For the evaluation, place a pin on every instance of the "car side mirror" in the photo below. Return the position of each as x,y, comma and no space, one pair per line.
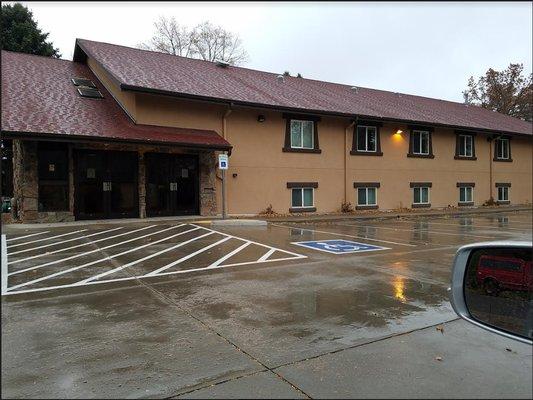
492,287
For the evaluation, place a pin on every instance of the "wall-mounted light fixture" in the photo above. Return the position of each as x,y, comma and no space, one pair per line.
234,175
397,135
260,118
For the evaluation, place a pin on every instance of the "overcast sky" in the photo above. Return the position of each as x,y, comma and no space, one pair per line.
429,49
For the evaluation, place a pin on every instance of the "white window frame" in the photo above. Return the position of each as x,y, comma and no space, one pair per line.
366,192
429,194
463,140
461,188
302,121
301,189
503,190
419,151
499,149
367,127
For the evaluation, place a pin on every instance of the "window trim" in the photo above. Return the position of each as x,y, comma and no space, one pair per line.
301,133
505,185
367,124
470,185
429,130
458,155
301,186
427,185
496,156
301,117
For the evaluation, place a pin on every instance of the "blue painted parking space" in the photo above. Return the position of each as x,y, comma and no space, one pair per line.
339,246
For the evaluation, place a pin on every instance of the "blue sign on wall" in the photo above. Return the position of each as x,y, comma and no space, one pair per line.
340,246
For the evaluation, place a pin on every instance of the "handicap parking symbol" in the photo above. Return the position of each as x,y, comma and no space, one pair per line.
340,246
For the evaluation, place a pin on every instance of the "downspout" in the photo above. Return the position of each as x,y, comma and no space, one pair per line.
224,189
491,198
346,151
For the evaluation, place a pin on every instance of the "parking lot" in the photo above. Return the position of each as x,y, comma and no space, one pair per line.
332,309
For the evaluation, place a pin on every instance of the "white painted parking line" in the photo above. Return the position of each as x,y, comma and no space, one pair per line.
3,263
185,258
465,226
163,271
65,241
94,262
230,254
345,235
47,238
423,230
81,245
26,236
266,255
93,278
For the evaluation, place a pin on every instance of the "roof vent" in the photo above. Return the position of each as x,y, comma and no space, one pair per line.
280,78
354,89
221,64
86,91
83,82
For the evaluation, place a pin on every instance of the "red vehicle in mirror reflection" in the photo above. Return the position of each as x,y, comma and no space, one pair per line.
497,273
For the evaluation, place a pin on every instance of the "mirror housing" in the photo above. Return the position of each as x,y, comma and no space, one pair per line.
475,260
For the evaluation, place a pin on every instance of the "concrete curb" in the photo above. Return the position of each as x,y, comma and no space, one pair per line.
394,215
239,222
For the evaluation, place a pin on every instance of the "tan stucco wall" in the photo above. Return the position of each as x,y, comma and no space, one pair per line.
263,170
125,99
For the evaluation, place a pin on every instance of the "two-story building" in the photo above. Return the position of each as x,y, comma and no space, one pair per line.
124,132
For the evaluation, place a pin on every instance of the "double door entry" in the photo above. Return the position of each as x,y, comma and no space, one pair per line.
172,184
106,184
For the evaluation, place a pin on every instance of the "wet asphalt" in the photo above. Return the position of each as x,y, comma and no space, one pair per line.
83,317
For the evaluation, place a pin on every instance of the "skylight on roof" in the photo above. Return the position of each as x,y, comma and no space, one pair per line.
83,82
90,92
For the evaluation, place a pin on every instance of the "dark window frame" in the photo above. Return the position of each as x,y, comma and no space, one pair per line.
471,185
366,185
302,185
458,155
370,124
505,185
301,117
417,128
496,157
427,185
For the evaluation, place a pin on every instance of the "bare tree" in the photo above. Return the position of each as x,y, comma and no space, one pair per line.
206,41
172,38
215,43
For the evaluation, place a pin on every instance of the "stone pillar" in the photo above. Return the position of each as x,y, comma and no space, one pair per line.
71,187
142,185
208,199
25,181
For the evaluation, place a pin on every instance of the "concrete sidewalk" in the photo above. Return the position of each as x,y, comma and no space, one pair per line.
395,214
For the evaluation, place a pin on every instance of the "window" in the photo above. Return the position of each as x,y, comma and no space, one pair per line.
420,142
302,133
466,146
53,177
302,197
503,193
466,194
421,195
366,196
367,138
502,149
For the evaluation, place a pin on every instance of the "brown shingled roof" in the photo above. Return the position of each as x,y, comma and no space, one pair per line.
38,97
136,69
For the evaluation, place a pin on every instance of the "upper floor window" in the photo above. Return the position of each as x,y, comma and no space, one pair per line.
420,143
301,134
465,146
502,149
366,139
